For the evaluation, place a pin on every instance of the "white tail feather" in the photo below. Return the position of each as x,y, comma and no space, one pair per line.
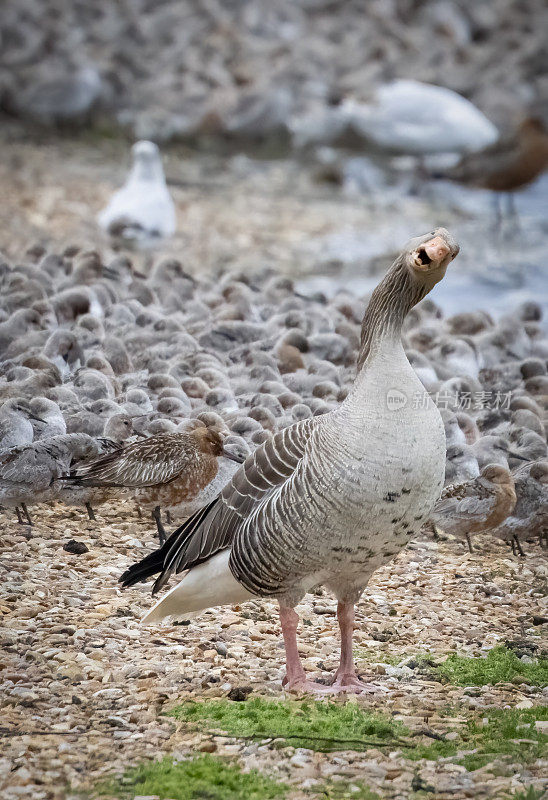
209,584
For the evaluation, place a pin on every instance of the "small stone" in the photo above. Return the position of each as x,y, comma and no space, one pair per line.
207,747
76,548
24,696
146,797
239,693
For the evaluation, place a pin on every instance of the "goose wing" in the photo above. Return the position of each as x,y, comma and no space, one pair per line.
213,528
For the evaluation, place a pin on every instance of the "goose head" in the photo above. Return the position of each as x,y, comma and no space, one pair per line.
427,257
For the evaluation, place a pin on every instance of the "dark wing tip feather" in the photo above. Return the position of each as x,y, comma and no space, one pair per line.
160,560
143,569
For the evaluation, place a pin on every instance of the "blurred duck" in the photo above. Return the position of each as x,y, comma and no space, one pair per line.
508,165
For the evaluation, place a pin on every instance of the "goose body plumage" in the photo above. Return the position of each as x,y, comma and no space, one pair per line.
331,498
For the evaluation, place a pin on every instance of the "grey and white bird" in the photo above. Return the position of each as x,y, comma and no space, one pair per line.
16,428
393,122
117,430
142,212
329,499
495,450
28,473
461,464
48,418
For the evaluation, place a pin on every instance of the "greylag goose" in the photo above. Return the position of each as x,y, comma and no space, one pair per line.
329,499
169,470
476,506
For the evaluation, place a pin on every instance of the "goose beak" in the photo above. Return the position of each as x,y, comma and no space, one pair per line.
435,250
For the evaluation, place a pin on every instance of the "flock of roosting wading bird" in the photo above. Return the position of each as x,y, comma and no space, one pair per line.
232,405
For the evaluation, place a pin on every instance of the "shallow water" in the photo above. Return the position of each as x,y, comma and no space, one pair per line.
497,268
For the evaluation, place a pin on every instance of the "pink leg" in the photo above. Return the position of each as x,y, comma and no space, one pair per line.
346,679
295,678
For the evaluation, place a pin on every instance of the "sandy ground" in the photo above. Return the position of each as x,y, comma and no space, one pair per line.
84,685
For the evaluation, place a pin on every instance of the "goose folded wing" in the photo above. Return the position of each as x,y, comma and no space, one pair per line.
212,529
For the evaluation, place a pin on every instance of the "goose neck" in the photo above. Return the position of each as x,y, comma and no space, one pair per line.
390,303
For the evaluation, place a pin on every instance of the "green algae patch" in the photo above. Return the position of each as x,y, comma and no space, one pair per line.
500,734
500,664
202,777
529,794
316,725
